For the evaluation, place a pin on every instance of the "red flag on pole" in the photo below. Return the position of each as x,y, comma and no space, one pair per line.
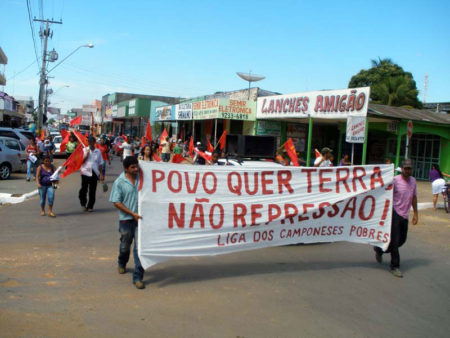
43,135
81,138
290,148
143,143
74,162
177,158
191,147
148,131
318,154
65,135
204,155
222,140
76,121
209,147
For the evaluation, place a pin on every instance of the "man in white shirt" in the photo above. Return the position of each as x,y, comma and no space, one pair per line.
90,171
127,148
324,160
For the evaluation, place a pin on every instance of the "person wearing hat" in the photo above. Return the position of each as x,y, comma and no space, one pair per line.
404,196
324,160
90,171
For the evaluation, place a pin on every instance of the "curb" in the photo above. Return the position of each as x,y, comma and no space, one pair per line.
9,199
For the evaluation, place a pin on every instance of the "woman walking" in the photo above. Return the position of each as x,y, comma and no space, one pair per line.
146,153
32,152
437,182
46,190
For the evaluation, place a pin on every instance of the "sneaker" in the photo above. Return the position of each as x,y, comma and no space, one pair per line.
83,208
28,180
90,210
396,272
121,269
378,255
139,285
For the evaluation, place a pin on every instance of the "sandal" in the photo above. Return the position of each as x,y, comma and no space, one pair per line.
42,213
51,214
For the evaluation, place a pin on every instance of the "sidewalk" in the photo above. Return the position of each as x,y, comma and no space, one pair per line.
16,189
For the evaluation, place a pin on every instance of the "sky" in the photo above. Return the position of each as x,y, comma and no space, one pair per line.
193,48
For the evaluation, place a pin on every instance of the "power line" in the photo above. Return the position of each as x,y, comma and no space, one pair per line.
32,33
22,70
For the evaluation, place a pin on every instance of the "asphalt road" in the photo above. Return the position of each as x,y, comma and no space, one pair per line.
58,277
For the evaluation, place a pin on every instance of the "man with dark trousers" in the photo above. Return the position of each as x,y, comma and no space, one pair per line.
405,196
90,171
124,195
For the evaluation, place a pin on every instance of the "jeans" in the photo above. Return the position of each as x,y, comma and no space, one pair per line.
399,232
88,183
31,167
46,191
128,231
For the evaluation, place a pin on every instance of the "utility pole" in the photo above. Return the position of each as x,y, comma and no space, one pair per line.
43,79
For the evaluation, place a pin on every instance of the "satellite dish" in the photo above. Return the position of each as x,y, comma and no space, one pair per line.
250,78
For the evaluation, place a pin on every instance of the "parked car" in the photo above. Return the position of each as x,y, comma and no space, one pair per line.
248,163
12,157
24,136
57,142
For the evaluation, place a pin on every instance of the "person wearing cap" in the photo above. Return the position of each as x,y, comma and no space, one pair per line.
324,160
404,196
90,171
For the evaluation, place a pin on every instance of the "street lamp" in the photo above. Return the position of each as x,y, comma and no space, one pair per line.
89,45
43,81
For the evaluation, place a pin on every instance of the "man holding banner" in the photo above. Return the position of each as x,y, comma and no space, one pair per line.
124,195
405,195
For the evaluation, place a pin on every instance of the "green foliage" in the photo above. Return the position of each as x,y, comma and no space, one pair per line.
389,83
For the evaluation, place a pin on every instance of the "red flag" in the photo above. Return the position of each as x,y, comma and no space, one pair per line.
75,121
148,131
177,158
43,135
209,147
290,148
143,142
318,154
74,162
207,157
223,140
162,139
191,147
81,138
156,158
65,135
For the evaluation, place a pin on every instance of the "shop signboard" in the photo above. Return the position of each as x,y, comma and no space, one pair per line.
327,104
164,113
121,111
183,111
224,108
271,128
356,129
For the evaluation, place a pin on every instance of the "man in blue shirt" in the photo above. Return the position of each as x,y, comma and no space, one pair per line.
124,195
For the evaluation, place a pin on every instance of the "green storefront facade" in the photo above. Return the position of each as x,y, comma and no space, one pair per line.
385,137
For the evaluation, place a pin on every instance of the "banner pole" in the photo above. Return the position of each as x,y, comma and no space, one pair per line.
308,153
215,131
364,154
353,151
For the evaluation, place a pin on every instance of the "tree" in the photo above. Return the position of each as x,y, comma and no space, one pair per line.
389,83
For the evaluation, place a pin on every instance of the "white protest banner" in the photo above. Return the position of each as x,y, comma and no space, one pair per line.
356,129
325,104
210,210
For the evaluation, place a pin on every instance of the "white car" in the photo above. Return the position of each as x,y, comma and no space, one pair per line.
12,157
57,142
248,163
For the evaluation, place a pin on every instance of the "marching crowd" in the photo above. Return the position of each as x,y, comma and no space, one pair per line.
96,152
